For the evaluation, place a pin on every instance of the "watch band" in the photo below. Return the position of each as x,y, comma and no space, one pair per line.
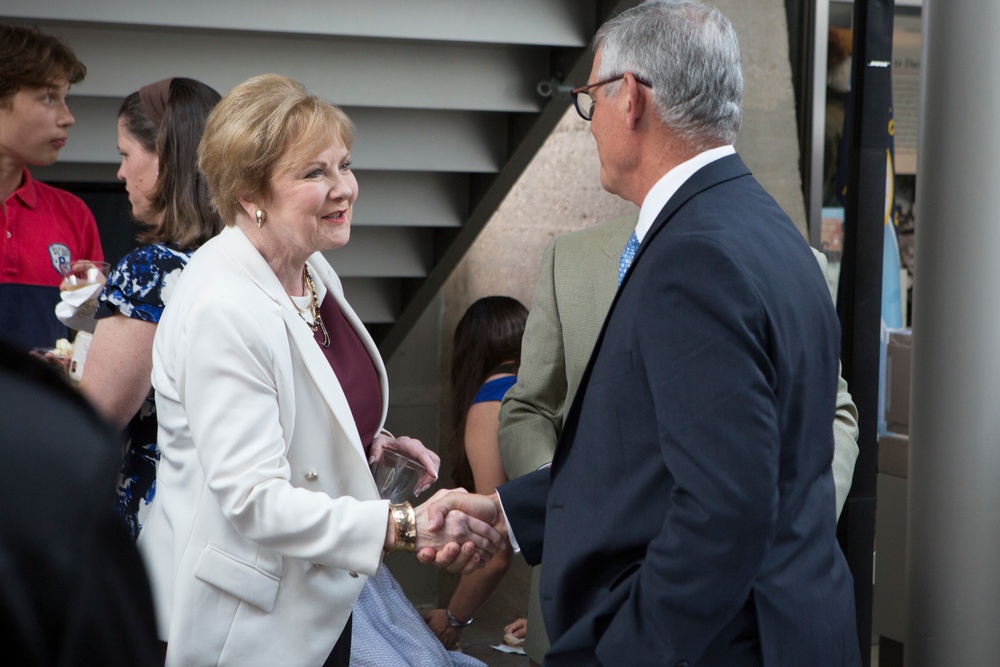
455,623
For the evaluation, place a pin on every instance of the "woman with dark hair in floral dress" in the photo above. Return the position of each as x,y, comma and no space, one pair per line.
159,128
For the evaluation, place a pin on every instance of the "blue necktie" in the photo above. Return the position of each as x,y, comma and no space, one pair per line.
628,254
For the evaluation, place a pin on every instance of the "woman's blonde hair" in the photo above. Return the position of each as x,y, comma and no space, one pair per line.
264,123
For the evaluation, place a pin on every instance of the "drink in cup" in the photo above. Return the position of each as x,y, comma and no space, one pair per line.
82,273
396,476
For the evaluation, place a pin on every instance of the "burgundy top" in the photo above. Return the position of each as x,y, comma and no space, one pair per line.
354,368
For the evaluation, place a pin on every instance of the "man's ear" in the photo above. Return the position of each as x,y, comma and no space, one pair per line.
635,101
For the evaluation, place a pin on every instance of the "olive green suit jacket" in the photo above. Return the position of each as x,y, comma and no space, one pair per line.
578,280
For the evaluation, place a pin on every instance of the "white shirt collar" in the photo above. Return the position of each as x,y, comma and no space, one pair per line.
664,189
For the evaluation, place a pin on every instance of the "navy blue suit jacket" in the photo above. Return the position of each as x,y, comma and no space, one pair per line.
689,514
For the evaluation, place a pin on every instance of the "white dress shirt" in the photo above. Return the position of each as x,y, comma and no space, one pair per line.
671,182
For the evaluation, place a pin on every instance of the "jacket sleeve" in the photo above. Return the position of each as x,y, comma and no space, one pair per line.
845,424
524,500
845,442
532,411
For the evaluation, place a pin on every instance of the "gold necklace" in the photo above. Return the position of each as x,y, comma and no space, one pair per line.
297,308
317,319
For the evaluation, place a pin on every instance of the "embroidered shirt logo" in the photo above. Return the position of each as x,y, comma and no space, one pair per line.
59,254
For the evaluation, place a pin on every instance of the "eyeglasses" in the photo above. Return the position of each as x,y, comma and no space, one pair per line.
583,101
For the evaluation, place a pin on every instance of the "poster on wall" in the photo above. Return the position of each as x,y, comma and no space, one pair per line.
906,44
906,90
901,192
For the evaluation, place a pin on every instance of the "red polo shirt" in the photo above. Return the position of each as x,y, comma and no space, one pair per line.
41,228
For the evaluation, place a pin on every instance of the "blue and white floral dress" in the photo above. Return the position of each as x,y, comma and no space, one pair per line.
139,287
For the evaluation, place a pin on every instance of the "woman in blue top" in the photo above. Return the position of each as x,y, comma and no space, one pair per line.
486,356
159,128
387,630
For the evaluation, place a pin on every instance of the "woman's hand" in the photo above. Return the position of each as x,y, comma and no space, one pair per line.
518,628
52,359
412,448
437,620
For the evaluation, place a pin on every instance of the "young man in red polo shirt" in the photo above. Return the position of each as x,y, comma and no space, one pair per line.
41,227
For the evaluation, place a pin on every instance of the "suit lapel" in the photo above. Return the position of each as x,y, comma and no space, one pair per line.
300,335
720,171
325,274
712,174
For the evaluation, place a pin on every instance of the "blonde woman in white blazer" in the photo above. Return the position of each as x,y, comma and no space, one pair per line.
271,398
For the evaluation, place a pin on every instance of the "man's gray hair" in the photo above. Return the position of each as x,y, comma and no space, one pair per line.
689,53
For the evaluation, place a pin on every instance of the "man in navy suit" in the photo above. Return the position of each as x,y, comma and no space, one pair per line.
687,518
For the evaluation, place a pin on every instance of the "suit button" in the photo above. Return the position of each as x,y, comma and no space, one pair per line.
353,574
311,476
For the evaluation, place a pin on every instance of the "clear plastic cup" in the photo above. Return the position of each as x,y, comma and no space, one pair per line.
396,476
83,272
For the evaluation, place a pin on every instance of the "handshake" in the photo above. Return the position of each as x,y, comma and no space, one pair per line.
455,530
460,531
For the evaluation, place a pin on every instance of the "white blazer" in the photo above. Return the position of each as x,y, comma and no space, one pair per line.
266,520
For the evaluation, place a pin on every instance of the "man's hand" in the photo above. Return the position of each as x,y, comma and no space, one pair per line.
437,620
412,448
459,531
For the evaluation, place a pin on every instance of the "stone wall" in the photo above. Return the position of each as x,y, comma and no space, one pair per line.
561,190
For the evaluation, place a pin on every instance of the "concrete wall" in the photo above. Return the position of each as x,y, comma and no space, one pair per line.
561,192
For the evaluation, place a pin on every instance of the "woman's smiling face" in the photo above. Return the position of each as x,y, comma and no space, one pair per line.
312,201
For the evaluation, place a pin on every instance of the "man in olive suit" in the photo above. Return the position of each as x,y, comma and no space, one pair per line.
577,282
